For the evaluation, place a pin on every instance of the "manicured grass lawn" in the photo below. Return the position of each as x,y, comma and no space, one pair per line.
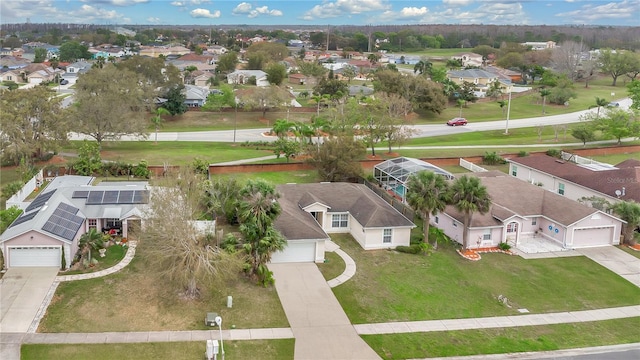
202,120
134,300
254,349
506,340
630,251
391,286
176,153
113,255
332,267
277,177
615,158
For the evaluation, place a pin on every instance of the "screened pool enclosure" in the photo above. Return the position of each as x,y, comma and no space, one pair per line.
393,174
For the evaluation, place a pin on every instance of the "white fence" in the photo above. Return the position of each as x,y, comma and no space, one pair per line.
471,166
18,198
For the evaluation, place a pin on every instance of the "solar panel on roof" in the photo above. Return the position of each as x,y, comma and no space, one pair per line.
63,222
95,197
141,197
110,197
125,197
38,202
80,194
24,218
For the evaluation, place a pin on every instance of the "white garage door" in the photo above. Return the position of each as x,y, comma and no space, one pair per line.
41,256
592,237
296,252
35,81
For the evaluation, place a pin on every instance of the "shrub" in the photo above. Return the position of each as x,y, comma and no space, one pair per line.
554,152
504,246
200,166
492,158
523,154
142,170
11,188
412,249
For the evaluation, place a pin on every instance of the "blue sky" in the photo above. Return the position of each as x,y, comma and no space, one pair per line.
323,12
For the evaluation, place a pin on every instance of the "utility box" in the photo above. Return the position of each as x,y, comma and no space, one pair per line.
210,319
229,302
212,349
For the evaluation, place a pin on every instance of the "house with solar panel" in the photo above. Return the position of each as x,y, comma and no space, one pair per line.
51,225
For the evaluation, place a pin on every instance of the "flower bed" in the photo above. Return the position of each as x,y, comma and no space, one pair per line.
474,254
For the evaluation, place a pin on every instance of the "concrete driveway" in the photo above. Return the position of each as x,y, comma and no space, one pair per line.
616,260
320,326
21,294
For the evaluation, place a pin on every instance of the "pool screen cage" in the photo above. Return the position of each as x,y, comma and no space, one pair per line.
393,174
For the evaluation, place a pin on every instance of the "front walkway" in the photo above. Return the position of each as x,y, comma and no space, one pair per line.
321,328
349,264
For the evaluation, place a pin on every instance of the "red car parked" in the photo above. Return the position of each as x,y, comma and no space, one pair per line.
457,122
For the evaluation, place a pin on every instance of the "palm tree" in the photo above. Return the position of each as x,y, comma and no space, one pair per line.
600,102
544,93
281,127
258,209
427,194
628,211
156,119
320,127
503,105
423,67
91,240
468,195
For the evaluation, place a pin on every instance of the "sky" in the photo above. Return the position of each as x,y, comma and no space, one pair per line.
323,12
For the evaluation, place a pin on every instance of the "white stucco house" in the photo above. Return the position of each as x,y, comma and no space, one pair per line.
68,207
241,77
312,211
521,211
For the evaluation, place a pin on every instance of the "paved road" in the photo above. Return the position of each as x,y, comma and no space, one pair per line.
243,135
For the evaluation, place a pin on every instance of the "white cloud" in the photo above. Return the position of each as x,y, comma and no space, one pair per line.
178,3
457,2
244,8
153,20
115,2
337,8
614,10
414,11
204,13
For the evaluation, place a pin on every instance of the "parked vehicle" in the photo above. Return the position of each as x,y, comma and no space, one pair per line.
457,122
64,82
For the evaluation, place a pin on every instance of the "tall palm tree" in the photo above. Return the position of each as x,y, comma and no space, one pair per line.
281,127
422,67
600,102
544,93
503,105
628,211
468,195
156,119
427,194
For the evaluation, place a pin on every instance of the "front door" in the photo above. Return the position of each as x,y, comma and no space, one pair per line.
512,233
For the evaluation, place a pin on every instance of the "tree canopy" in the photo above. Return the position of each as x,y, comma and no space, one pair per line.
71,51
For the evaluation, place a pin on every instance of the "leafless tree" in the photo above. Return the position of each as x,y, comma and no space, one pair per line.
566,58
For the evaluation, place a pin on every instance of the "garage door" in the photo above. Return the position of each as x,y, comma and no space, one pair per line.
592,237
296,252
41,256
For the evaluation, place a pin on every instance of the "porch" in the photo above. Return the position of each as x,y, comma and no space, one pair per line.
534,244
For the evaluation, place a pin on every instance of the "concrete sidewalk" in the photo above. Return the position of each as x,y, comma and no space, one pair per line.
321,328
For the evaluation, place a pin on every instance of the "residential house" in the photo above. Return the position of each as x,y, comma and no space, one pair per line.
481,78
166,51
242,77
540,214
505,74
39,73
469,59
539,45
298,79
312,211
13,62
217,50
202,78
68,207
577,178
76,69
195,96
11,75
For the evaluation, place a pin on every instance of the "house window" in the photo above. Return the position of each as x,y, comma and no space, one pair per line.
534,222
436,220
512,227
386,236
514,170
340,220
114,223
455,224
93,224
487,235
561,188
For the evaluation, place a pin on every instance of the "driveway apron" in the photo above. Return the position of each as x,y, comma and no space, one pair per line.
21,294
616,260
321,328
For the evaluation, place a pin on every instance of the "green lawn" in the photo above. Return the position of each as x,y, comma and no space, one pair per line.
254,349
277,177
134,300
630,251
506,340
333,265
406,287
204,120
